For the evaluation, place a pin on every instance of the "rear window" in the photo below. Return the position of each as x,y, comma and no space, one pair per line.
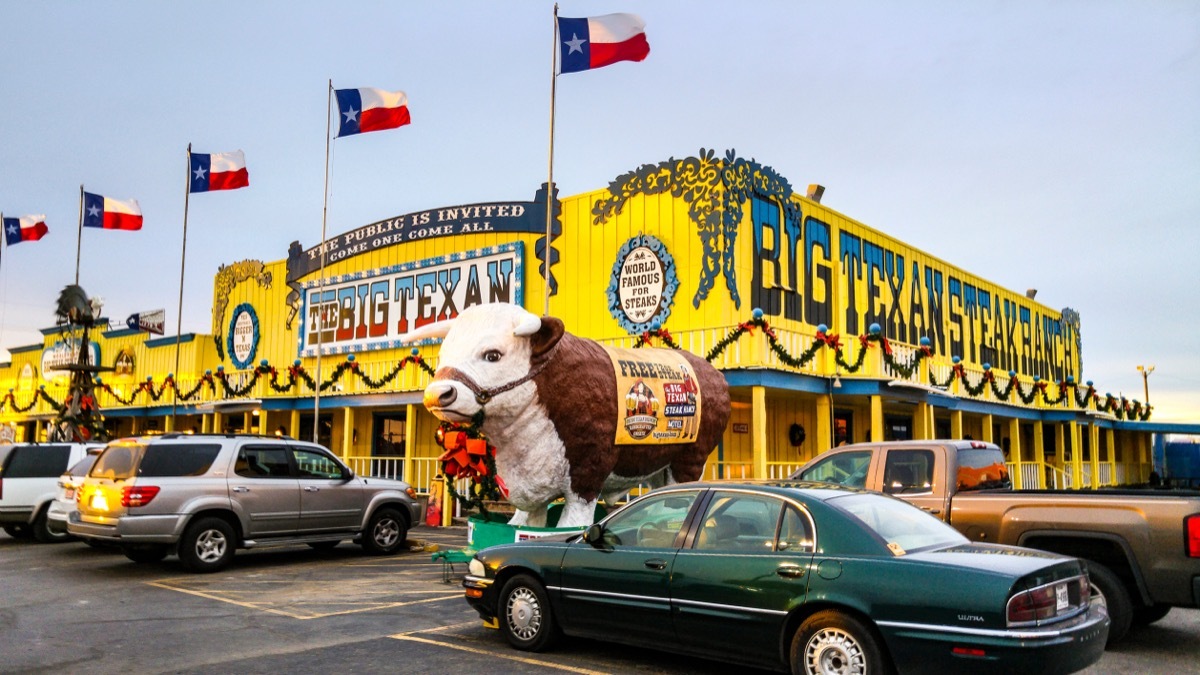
37,461
120,462
178,460
982,469
84,465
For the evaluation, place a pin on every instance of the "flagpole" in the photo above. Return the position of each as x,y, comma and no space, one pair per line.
550,178
79,238
187,193
321,283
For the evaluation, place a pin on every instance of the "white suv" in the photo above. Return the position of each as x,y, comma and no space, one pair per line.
203,496
29,475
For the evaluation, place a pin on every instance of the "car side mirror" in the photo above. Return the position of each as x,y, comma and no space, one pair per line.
594,535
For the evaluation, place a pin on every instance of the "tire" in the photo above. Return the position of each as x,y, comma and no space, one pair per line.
145,554
385,533
834,643
1113,595
42,532
18,531
323,545
207,545
526,619
1144,616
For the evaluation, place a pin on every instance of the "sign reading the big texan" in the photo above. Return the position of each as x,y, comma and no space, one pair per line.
359,312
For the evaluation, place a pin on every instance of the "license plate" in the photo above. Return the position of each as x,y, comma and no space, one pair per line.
70,493
1060,596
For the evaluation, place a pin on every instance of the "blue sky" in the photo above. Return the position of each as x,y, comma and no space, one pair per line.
1046,145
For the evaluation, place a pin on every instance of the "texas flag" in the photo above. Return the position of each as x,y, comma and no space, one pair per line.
25,228
366,109
111,214
219,171
598,41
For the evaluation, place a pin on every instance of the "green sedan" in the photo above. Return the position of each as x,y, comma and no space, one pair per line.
802,576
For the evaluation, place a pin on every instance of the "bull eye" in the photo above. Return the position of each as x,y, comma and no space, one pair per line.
492,355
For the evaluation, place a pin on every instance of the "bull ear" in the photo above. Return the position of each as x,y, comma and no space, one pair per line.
437,329
548,335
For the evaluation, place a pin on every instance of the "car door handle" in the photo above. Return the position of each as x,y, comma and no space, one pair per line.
241,488
790,571
930,511
311,488
656,564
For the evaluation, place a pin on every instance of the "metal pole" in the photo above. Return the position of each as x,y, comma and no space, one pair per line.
321,283
79,238
550,178
187,192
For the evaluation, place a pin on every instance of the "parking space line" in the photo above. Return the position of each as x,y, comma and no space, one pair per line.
258,606
484,652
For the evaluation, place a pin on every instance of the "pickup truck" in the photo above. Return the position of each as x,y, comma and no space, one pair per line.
1142,547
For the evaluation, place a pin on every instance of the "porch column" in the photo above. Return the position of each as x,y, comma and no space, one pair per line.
294,424
1039,453
876,419
824,430
956,423
347,432
986,436
1014,450
1094,444
758,430
410,447
206,424
1076,455
168,423
1111,441
918,422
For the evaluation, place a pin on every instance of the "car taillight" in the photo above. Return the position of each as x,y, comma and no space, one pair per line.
137,495
1191,525
1031,606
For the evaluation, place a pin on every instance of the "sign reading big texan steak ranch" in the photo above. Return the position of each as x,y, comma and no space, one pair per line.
660,402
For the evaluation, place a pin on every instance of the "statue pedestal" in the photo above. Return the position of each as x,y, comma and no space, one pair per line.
483,532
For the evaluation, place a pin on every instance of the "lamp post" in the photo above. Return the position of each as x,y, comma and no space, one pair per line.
1145,371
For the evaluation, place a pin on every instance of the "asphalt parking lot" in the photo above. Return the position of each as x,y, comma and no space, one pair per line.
71,607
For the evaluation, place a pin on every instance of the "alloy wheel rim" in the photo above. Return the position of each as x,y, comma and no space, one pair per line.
834,651
210,546
386,532
524,614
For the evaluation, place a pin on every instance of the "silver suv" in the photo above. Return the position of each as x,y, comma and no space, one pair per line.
203,496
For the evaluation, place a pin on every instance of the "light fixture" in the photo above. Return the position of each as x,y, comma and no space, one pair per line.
815,192
1031,293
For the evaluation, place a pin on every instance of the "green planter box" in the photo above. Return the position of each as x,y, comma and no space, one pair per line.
483,532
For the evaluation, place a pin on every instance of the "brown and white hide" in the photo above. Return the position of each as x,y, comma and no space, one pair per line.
551,410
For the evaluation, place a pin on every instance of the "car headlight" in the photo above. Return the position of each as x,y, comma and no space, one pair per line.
476,567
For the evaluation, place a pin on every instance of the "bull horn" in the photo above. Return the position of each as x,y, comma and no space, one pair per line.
527,324
437,329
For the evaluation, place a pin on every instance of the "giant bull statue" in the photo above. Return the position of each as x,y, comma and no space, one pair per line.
552,409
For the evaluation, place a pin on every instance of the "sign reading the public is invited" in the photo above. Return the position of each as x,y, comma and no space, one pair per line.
360,312
660,400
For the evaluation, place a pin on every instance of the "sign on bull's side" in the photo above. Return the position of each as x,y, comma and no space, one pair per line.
360,312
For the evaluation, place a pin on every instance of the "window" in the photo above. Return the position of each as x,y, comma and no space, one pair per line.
315,464
908,472
652,522
262,462
37,461
739,522
982,469
167,459
847,468
903,528
795,533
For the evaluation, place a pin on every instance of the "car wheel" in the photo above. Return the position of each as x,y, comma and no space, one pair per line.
1144,616
1108,590
323,545
834,643
525,616
145,554
207,545
386,531
42,532
18,531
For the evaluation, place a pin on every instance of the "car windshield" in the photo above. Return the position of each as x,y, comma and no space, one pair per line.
903,527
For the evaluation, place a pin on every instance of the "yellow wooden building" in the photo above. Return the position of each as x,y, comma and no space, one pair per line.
827,330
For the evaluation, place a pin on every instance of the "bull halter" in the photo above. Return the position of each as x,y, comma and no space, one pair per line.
483,396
